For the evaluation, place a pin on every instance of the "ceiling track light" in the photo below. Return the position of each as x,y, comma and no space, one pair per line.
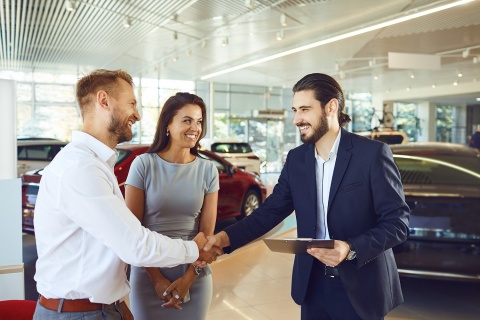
466,53
175,59
127,22
455,83
459,74
280,35
343,36
224,42
70,5
412,76
283,20
250,4
434,86
475,60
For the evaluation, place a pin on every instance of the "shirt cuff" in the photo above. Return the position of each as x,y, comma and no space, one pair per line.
192,253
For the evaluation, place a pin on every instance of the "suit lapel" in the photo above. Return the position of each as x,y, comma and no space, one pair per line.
311,175
341,164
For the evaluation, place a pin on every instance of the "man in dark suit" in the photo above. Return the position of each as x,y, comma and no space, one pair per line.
343,187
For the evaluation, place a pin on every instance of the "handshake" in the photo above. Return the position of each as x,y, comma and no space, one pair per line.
210,247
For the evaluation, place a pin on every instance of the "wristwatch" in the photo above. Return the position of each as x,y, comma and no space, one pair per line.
352,254
196,269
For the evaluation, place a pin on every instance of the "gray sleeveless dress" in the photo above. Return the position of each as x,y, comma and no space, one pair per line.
174,196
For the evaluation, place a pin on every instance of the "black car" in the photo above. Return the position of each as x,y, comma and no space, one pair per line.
441,182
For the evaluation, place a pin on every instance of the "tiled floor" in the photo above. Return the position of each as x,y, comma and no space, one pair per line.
253,283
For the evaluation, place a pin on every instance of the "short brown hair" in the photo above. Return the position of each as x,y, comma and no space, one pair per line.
96,80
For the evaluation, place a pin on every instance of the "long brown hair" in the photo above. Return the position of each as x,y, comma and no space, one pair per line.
169,110
325,89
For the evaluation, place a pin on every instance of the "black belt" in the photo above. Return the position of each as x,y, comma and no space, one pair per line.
331,272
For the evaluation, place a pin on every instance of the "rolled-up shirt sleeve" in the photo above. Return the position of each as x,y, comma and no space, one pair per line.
88,198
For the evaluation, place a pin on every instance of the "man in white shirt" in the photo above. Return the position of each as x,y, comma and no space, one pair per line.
85,234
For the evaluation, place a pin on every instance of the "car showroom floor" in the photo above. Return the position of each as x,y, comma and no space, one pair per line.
253,283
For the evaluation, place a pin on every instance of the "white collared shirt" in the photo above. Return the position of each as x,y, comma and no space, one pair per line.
85,233
324,174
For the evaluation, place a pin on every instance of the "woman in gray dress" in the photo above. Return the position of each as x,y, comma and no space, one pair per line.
173,191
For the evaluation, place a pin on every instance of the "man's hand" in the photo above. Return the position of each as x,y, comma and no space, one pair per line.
204,245
331,257
211,255
221,240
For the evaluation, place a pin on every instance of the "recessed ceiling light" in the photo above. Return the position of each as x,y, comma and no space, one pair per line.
478,99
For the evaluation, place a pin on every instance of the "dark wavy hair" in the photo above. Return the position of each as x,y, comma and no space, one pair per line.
325,89
169,110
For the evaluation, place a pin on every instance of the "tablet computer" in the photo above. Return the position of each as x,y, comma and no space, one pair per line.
296,245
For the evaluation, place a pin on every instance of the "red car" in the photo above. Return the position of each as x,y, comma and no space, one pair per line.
240,193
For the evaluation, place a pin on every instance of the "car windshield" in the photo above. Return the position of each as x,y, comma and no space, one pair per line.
425,171
122,154
231,147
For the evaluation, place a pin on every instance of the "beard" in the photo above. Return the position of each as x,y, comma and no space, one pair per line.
318,131
118,130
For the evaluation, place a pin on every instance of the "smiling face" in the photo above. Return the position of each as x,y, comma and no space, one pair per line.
186,126
124,112
310,117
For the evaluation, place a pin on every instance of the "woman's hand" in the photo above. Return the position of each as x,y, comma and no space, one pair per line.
177,291
161,286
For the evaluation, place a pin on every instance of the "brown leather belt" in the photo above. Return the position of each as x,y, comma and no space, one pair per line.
78,305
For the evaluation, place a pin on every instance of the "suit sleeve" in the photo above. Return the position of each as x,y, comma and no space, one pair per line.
274,210
391,210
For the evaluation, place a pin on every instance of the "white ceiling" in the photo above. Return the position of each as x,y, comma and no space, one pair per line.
41,35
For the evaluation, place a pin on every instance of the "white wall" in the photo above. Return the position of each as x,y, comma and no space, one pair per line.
11,265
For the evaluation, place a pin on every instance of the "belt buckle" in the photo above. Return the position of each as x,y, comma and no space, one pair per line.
328,275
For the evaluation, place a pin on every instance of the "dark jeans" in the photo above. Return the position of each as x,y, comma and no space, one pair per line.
109,313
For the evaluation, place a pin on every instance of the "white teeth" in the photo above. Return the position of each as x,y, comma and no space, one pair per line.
304,127
191,136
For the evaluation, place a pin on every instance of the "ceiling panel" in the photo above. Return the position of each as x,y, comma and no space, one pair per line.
41,35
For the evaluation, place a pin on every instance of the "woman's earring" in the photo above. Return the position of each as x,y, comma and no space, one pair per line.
168,133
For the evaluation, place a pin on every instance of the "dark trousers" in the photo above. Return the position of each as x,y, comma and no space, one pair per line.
326,298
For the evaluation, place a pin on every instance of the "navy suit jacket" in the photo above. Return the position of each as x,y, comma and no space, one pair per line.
366,206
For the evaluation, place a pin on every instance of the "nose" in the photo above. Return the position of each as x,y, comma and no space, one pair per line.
137,115
195,126
296,118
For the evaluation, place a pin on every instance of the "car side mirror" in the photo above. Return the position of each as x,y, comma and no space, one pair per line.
231,171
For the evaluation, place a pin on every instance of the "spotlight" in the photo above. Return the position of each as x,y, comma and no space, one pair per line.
175,59
465,53
459,74
412,76
434,86
250,4
408,88
70,5
375,77
224,42
280,35
283,20
455,83
475,60
127,22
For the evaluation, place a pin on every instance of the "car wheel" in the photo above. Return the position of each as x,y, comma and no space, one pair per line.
251,201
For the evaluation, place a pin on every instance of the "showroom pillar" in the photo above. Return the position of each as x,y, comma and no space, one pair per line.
11,265
427,117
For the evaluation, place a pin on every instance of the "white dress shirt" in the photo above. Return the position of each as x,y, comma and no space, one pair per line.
85,233
324,175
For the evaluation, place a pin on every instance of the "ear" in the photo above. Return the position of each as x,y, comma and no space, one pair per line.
102,100
332,107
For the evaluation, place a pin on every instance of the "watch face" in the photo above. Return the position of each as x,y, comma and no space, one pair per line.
351,255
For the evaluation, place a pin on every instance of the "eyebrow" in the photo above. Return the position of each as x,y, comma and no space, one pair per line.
300,107
188,117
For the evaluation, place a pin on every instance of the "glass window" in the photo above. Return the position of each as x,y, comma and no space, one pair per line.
54,93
